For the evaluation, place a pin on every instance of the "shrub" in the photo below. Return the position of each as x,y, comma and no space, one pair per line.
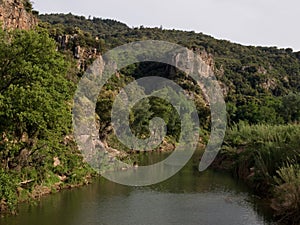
28,5
286,199
8,193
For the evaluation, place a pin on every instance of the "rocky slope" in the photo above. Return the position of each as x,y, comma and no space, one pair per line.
16,14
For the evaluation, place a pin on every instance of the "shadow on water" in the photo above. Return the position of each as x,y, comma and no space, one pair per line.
189,198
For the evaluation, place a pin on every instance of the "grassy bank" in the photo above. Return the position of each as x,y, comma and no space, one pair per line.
52,173
267,157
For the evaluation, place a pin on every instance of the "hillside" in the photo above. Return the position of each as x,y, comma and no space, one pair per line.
261,86
255,79
42,61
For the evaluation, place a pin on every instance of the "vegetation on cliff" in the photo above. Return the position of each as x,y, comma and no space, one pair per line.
36,147
258,82
261,87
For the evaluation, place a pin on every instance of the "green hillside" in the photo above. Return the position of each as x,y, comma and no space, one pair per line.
258,80
40,69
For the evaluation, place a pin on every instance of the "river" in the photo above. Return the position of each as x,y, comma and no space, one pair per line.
188,198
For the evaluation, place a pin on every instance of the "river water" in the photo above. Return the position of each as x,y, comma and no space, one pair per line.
188,198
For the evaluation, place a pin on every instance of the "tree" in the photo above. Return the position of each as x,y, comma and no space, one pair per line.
34,91
28,5
291,107
140,117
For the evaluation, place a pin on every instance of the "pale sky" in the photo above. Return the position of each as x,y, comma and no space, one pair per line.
249,22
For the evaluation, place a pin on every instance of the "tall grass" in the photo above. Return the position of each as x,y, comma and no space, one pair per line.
245,134
286,199
268,147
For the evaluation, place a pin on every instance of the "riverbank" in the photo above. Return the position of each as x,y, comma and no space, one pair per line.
30,183
267,159
189,197
264,157
57,173
25,194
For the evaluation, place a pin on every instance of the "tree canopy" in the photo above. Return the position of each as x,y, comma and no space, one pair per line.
35,116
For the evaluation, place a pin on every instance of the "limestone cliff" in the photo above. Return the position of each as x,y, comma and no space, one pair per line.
83,54
16,14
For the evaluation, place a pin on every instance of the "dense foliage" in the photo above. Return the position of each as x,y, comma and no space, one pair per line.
258,82
35,117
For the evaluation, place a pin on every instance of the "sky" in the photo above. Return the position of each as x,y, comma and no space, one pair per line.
248,22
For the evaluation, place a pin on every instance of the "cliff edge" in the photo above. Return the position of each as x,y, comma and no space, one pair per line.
17,14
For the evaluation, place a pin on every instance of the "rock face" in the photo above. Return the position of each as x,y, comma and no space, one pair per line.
70,42
13,15
205,67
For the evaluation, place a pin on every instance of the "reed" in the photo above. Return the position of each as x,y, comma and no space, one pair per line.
245,134
286,199
268,147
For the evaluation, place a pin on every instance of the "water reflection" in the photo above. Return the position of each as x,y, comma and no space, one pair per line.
189,197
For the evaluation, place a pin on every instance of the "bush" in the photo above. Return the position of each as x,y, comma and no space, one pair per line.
245,134
286,199
8,191
28,5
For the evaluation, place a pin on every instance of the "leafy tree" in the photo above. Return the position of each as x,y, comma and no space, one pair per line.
35,105
140,117
34,91
291,107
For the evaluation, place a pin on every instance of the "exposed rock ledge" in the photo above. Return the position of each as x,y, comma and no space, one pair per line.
13,15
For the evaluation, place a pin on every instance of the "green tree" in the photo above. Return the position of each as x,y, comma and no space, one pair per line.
291,107
140,117
34,92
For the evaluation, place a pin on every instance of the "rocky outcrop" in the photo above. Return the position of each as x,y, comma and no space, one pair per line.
62,41
83,55
14,15
203,65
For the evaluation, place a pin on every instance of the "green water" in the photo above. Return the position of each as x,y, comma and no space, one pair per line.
188,198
